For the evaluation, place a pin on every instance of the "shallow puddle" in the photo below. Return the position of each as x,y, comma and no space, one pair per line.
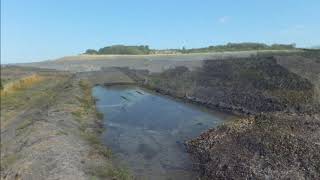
146,131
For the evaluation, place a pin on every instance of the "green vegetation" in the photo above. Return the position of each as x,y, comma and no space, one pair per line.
140,50
91,51
120,173
105,172
32,95
86,104
240,47
121,49
86,108
93,139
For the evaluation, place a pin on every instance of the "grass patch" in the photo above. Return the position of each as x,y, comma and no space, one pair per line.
91,138
77,114
106,172
120,173
87,108
36,95
20,84
86,100
96,143
106,152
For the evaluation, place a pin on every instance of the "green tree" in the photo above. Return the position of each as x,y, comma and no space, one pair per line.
91,51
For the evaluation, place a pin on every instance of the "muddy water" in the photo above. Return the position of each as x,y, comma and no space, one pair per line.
146,131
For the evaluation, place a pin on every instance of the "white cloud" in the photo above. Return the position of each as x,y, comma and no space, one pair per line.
224,19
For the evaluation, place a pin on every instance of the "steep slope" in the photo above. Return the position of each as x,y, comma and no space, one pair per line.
245,85
280,139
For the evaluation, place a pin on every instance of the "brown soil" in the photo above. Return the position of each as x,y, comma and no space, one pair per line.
49,130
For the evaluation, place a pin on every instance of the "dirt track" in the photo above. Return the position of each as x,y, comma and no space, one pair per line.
49,131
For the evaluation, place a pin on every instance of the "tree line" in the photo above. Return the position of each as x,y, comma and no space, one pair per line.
120,49
144,49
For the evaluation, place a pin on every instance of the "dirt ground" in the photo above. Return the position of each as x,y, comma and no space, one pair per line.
49,130
152,63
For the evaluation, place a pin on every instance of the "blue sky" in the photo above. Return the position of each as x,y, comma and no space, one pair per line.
34,30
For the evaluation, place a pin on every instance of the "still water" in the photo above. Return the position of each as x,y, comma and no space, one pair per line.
146,131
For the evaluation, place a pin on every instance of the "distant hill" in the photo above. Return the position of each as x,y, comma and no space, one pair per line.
144,49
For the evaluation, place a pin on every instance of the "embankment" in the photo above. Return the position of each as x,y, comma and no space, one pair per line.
243,86
279,136
50,130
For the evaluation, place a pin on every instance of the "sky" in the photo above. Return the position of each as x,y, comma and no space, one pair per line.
36,30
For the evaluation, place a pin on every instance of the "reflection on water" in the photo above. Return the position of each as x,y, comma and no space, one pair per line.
147,131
